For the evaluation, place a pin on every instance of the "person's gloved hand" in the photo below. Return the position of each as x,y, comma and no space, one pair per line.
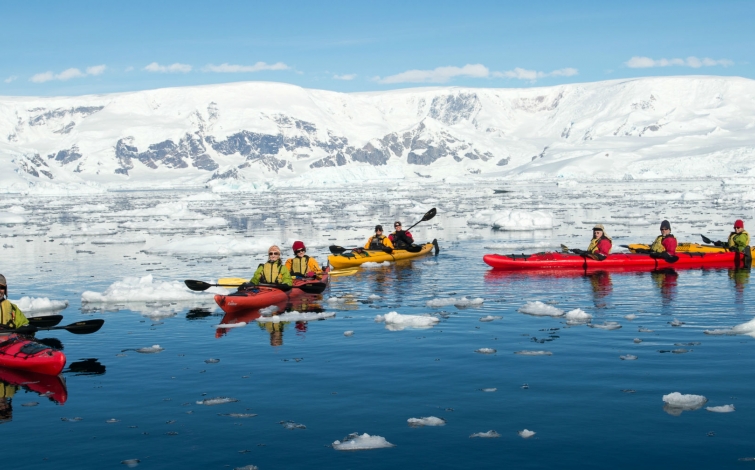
310,274
245,286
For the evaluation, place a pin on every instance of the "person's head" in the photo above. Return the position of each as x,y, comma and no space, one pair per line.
665,227
274,253
397,225
378,229
299,249
598,231
3,286
739,225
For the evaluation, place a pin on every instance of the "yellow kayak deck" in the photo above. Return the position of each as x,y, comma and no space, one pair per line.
685,248
351,258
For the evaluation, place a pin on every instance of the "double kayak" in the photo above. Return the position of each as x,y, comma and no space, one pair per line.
266,295
684,247
355,258
50,386
618,261
19,352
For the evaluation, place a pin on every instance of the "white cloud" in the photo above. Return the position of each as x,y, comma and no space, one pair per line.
233,68
532,75
438,75
637,62
67,74
348,76
172,68
10,79
129,69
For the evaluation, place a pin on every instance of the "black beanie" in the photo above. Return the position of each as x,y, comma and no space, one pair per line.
665,224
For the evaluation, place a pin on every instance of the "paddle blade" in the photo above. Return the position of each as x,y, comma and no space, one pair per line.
430,214
564,248
197,285
336,250
706,239
47,320
82,327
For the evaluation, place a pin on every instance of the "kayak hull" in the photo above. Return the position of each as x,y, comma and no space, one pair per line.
618,261
262,296
18,352
351,259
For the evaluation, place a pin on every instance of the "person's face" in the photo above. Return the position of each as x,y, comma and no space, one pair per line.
738,229
378,232
3,290
273,255
300,252
397,226
597,233
665,231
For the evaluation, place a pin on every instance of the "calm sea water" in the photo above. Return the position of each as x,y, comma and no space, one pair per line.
589,408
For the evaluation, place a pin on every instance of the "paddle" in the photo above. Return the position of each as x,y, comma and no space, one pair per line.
577,251
337,250
47,320
202,286
711,242
83,327
428,215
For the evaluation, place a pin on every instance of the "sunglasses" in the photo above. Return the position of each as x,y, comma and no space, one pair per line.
300,250
274,253
397,225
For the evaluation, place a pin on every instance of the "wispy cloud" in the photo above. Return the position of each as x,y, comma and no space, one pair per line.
444,74
172,68
347,76
692,61
68,74
232,68
533,75
10,79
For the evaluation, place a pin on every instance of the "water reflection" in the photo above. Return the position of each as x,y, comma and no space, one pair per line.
601,287
90,366
666,281
11,380
741,278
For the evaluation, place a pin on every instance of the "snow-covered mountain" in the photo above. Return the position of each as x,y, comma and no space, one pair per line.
244,134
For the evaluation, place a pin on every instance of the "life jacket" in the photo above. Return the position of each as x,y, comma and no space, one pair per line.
271,272
657,246
7,314
593,247
738,239
376,242
300,265
401,241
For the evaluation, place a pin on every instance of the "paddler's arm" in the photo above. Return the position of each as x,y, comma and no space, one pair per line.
257,275
285,276
21,319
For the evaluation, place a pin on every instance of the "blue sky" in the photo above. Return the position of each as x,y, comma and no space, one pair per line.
77,47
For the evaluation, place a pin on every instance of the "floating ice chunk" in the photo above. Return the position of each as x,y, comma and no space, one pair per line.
131,462
297,316
247,467
364,442
676,322
719,332
230,325
577,316
154,349
374,297
214,245
685,402
399,321
144,289
490,434
118,241
490,318
485,351
526,433
513,220
269,310
371,265
489,390
747,328
212,361
637,340
355,208
628,357
644,330
630,317
292,425
9,218
533,353
460,302
113,420
39,304
427,421
609,325
348,333
540,309
721,409
336,300
216,401
238,415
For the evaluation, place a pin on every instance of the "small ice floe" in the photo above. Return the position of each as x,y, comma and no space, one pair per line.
721,409
212,361
238,415
512,220
693,343
642,329
526,433
747,328
485,351
297,316
461,302
396,321
354,441
488,390
292,425
348,333
637,340
609,325
371,265
374,297
113,421
533,353
630,317
676,322
131,462
144,289
39,304
240,324
269,310
31,403
427,421
71,419
676,402
540,309
490,434
628,357
577,316
337,300
247,467
216,401
488,318
154,349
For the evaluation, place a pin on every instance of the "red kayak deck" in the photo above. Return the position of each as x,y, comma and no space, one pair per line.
619,261
18,352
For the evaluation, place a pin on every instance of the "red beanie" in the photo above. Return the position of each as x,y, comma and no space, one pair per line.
298,245
739,224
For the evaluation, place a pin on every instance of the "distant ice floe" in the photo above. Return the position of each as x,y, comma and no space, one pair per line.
489,318
533,353
526,433
374,297
577,316
154,349
144,289
628,357
489,390
721,409
396,321
490,434
291,425
630,317
427,421
676,402
485,351
216,401
461,302
355,441
118,241
540,309
39,304
215,245
296,316
609,325
513,220
10,218
371,265
348,333
747,328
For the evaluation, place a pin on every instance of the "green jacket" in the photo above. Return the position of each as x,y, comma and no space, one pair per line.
272,273
738,241
11,316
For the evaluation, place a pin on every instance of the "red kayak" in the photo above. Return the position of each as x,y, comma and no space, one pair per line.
18,352
264,296
50,386
619,261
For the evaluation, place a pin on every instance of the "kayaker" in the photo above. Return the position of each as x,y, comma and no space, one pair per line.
379,241
274,271
739,239
401,239
301,265
10,315
601,244
665,242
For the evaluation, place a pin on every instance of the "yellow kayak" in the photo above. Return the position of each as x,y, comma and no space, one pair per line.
351,258
685,247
